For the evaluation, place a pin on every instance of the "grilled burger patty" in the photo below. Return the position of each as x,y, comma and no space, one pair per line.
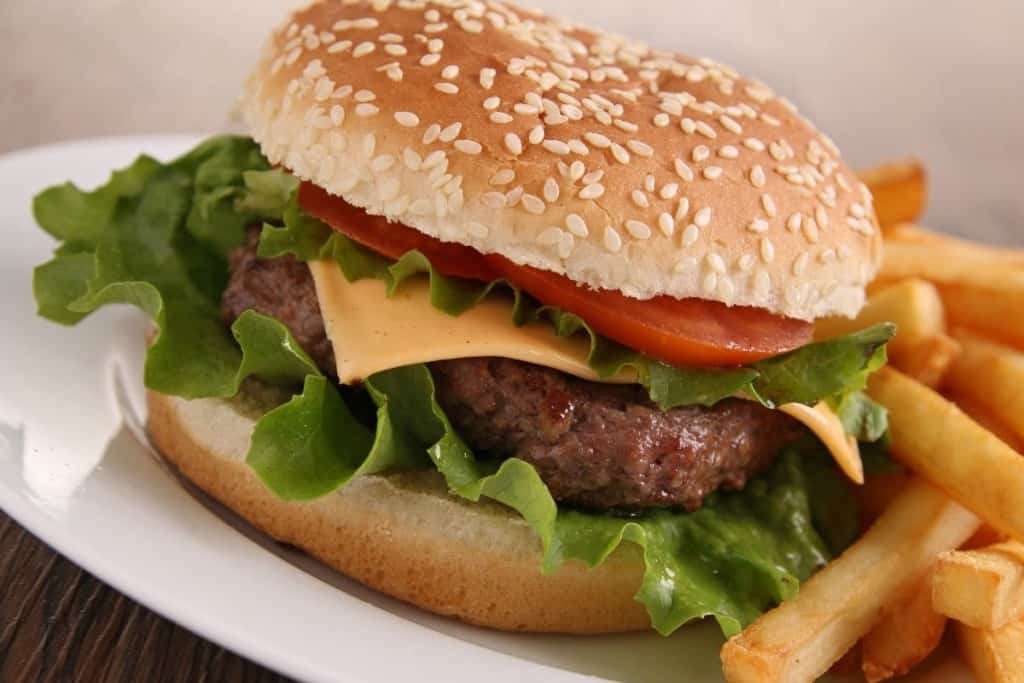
596,445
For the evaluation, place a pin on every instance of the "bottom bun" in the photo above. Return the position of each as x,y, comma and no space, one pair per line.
404,535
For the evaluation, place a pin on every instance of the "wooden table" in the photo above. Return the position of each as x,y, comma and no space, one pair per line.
59,623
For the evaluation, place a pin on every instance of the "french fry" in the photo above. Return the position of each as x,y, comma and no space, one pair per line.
908,232
900,191
951,263
994,656
905,637
799,640
983,416
992,376
914,305
928,360
937,440
996,313
982,588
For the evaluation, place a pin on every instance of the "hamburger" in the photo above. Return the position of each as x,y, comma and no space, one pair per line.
505,317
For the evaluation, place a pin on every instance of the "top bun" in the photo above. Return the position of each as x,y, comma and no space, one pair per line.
567,149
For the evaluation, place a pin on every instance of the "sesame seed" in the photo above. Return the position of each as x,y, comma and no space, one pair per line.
661,119
768,204
576,146
794,222
395,49
640,199
592,191
430,59
551,190
434,159
450,132
597,140
468,146
446,88
503,177
382,163
450,72
712,172
556,147
745,262
716,263
576,225
688,125
337,115
754,144
728,152
638,229
492,102
431,134
534,204
369,144
620,153
770,120
777,151
682,208
700,153
363,49
366,109
513,143
365,23
339,46
407,119
536,135
682,170
758,225
436,27
821,216
365,96
690,235
668,191
857,210
649,183
666,224
811,230
500,117
411,159
494,200
389,38
612,240
757,177
639,148
707,131
550,236
703,217
800,263
730,124
487,78
627,126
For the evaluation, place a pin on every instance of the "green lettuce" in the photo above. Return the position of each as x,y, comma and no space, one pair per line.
156,236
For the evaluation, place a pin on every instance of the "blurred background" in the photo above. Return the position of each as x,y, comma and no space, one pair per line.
943,81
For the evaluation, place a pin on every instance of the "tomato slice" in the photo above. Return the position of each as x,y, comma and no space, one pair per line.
685,332
392,239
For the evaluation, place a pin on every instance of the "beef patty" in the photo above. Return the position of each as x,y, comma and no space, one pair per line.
604,446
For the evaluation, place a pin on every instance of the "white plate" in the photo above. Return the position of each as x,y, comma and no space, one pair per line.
76,470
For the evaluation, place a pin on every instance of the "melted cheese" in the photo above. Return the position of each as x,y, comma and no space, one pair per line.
371,332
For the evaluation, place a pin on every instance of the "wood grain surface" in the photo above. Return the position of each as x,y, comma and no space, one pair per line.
59,623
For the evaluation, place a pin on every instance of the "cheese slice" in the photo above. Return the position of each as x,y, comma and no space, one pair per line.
371,332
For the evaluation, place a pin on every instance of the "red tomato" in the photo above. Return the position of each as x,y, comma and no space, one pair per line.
392,239
685,332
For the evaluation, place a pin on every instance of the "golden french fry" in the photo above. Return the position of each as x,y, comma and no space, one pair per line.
909,633
994,656
982,588
983,416
914,305
940,442
928,360
900,191
910,233
996,313
992,376
799,640
949,263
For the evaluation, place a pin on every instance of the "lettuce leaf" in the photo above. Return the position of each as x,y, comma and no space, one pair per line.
156,236
732,559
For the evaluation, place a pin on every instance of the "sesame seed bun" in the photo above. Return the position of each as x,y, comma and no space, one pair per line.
403,535
567,149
